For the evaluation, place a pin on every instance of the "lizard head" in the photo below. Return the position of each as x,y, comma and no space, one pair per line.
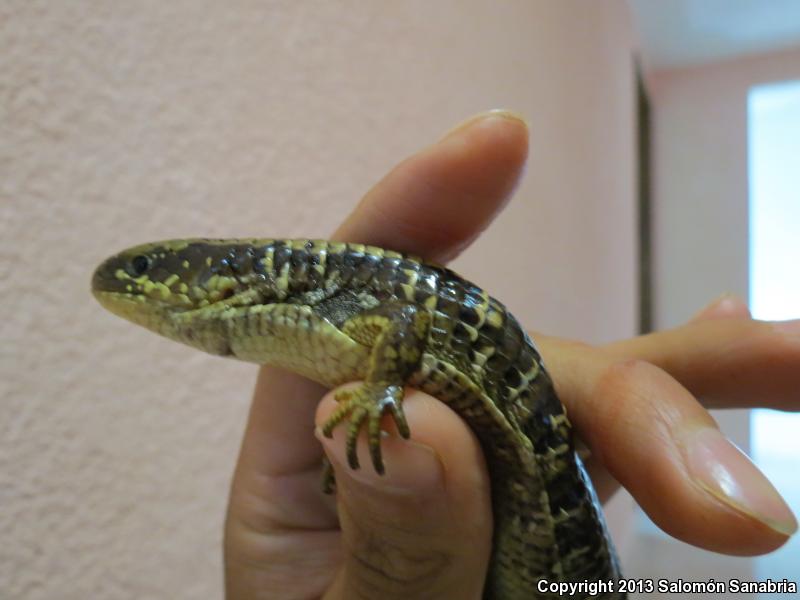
166,286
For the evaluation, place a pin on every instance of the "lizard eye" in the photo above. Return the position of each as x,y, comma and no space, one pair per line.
140,264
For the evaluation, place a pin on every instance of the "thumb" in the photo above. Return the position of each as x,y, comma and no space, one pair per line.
424,527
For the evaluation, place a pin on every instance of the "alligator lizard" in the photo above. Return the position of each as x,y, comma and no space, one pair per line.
338,312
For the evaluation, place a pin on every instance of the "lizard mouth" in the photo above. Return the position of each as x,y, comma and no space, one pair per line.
136,308
164,318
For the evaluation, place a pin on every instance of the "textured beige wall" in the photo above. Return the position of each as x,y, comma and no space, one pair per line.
122,122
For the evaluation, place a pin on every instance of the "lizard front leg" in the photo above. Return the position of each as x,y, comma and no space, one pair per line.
396,333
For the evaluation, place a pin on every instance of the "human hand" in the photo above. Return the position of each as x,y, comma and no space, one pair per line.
426,525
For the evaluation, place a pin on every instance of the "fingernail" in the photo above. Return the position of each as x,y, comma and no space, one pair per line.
727,304
726,473
499,113
411,468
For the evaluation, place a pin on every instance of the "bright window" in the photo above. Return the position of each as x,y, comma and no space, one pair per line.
774,175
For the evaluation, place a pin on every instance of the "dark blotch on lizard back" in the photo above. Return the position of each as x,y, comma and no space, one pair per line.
512,377
282,255
468,313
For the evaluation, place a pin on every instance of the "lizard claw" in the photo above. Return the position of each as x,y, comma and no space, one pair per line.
369,403
328,476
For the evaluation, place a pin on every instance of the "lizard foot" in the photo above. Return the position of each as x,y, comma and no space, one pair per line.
367,403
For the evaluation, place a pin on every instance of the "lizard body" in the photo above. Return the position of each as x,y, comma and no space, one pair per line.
338,312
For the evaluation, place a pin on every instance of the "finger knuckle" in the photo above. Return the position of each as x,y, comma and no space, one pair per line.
621,383
388,570
620,395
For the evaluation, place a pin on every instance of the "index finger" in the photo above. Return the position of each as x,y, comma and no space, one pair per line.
437,202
